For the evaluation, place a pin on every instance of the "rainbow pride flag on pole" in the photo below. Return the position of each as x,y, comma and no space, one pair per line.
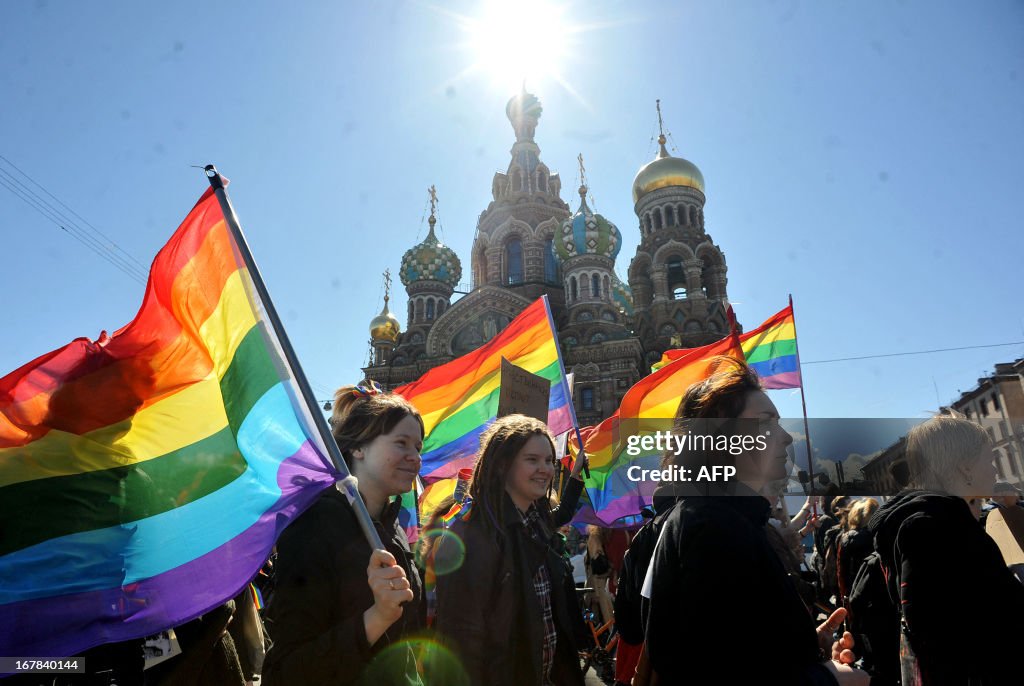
459,399
770,349
647,404
145,476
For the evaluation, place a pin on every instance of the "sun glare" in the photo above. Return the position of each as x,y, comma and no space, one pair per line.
515,41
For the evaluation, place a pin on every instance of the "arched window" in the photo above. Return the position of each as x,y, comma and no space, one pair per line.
419,310
657,220
573,289
676,278
647,221
669,219
550,263
430,309
514,254
595,286
410,311
607,287
517,181
542,182
693,215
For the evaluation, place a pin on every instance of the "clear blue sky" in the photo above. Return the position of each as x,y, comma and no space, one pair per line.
863,156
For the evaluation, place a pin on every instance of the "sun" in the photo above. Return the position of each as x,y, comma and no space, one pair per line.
515,41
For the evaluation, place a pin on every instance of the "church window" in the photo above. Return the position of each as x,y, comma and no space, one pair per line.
676,278
595,286
607,286
647,221
587,398
430,309
517,181
585,316
693,215
410,310
573,289
657,220
550,263
570,340
598,338
542,182
607,316
515,261
669,219
419,310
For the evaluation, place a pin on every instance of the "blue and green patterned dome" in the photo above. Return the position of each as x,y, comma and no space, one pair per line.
622,295
586,233
431,260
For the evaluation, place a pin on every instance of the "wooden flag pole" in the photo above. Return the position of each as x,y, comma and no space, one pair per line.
347,484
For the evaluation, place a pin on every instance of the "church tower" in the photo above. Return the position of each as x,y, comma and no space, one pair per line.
514,235
384,329
430,271
678,275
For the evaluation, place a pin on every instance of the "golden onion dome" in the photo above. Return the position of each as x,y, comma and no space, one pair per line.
666,171
385,326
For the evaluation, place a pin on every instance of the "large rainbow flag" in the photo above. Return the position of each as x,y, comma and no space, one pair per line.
145,476
770,349
459,399
647,406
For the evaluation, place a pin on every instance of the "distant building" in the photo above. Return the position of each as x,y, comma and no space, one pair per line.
529,242
997,403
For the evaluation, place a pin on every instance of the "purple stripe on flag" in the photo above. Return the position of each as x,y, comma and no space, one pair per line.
70,624
784,380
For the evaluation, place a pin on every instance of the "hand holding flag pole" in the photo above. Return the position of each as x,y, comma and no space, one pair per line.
347,484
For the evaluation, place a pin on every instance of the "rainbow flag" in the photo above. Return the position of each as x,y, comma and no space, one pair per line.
145,476
770,349
612,495
459,399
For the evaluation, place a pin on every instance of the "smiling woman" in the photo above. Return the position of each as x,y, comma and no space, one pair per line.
508,604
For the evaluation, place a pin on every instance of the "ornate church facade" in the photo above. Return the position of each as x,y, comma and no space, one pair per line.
529,242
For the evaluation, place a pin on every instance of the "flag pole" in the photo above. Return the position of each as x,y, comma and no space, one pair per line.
347,484
803,403
565,385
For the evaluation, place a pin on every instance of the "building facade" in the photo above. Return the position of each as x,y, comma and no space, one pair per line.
529,242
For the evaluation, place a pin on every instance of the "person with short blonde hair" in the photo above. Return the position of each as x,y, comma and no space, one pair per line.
961,607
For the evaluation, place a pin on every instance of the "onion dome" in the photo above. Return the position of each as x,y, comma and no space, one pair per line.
385,326
524,111
666,171
431,260
587,233
622,295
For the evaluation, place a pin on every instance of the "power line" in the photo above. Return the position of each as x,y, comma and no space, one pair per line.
913,352
53,215
61,203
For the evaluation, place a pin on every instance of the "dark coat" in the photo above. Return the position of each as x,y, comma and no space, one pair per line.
963,607
487,609
714,569
854,546
315,618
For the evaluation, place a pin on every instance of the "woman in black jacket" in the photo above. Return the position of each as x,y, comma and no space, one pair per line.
962,608
722,607
505,598
338,606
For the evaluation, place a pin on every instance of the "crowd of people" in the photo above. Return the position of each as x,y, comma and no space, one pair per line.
715,587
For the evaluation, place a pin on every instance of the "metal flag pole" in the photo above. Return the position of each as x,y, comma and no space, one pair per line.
347,484
803,402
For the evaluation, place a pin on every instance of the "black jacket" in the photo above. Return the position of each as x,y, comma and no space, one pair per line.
315,618
487,609
963,608
854,546
713,570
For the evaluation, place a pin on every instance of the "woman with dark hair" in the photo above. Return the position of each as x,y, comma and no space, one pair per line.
506,600
714,575
338,604
961,607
